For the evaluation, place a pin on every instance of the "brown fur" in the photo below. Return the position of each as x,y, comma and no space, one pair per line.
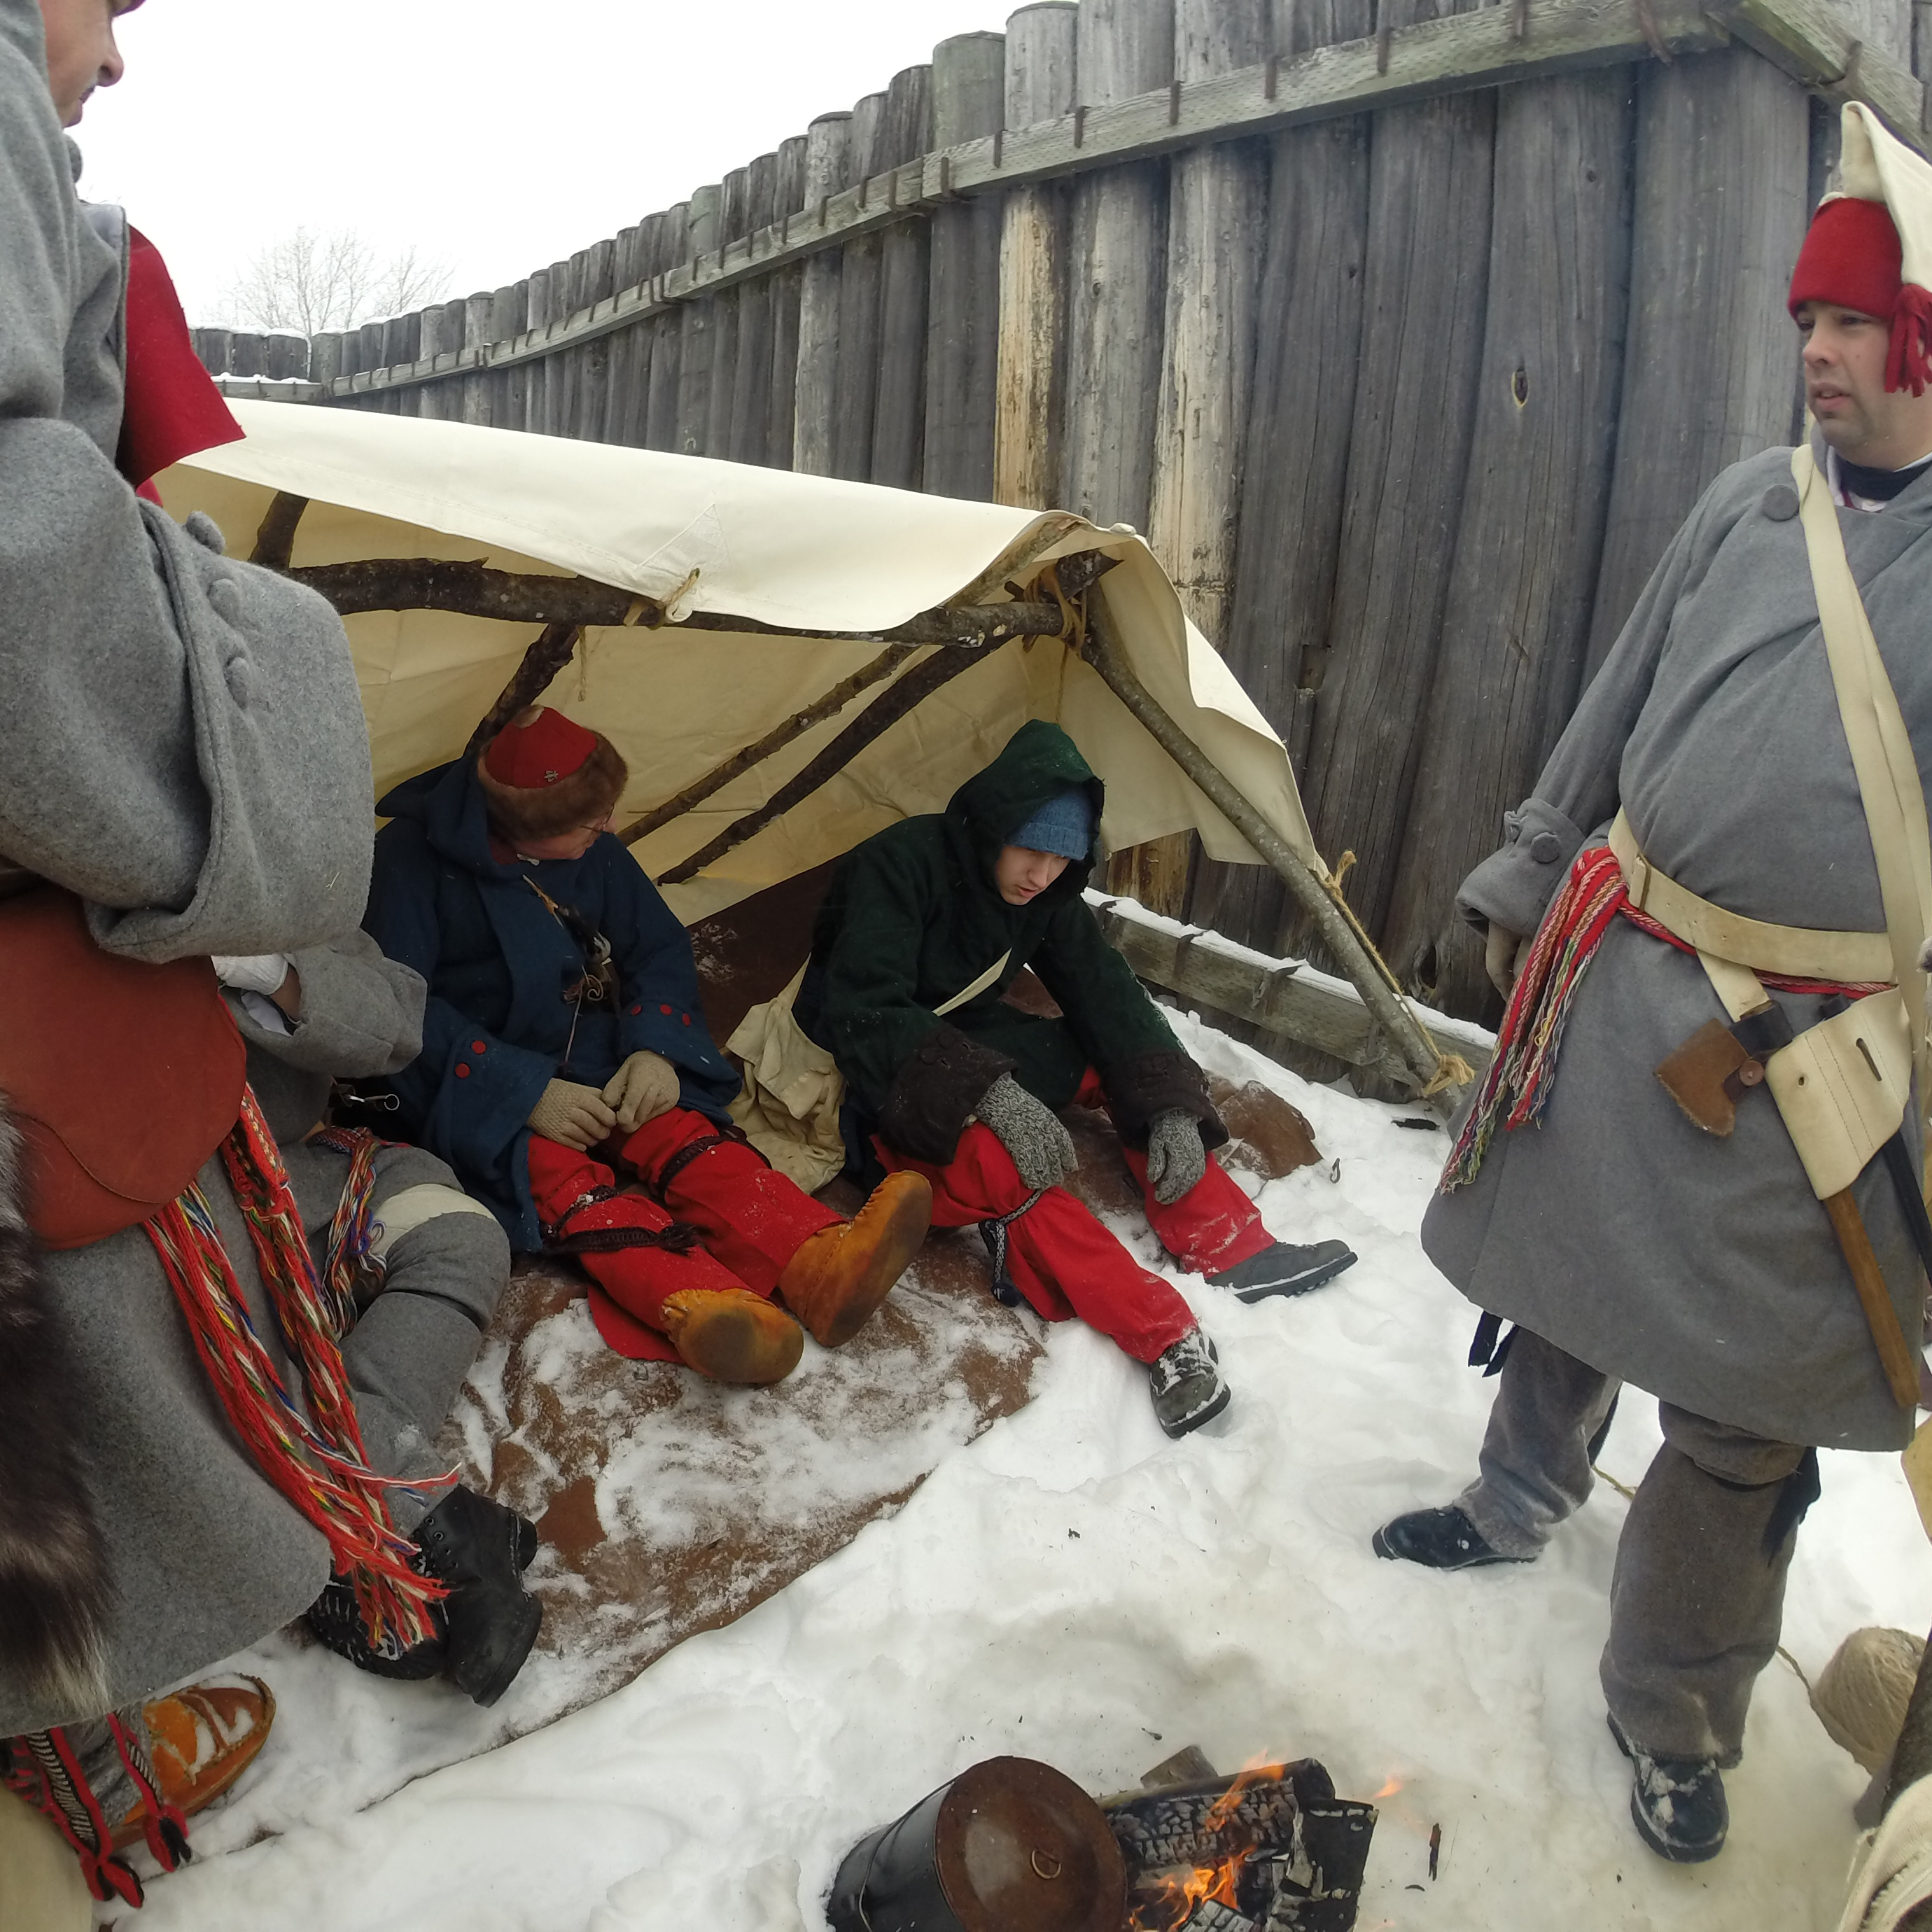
581,797
55,1593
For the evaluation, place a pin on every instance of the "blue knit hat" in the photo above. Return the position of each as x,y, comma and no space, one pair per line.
1063,824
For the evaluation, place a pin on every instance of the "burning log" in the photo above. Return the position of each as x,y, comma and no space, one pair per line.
1271,1850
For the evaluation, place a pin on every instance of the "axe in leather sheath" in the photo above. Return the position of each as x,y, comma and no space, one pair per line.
1711,1073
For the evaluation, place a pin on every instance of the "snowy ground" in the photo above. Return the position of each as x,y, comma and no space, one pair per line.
1074,1587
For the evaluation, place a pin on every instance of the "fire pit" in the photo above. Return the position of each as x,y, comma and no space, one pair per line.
1012,1846
1271,1850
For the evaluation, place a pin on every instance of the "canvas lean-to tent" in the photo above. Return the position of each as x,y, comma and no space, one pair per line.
832,564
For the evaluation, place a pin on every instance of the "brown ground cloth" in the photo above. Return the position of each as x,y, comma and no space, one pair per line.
669,1505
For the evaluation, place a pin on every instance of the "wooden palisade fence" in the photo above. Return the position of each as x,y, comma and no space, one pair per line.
1407,331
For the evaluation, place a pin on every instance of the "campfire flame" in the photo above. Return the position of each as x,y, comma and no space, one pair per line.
1176,1897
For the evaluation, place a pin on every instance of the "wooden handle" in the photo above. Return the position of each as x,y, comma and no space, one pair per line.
1901,1371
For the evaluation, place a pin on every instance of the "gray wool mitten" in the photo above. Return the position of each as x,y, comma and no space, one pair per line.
1029,1130
1176,1159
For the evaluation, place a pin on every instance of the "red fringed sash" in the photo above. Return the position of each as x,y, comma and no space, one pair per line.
319,1464
1517,1086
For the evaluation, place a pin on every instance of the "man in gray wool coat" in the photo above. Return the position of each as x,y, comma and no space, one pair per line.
184,771
1669,1235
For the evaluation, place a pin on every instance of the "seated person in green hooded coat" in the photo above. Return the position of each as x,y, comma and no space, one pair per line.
926,925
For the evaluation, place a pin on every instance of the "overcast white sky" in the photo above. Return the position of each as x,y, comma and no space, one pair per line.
501,134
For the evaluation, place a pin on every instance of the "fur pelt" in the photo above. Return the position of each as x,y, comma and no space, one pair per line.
581,797
55,1593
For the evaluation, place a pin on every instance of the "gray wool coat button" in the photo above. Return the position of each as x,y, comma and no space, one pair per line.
206,532
224,598
1546,848
1780,503
240,673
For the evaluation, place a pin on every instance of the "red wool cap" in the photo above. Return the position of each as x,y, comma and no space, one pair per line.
548,748
1850,258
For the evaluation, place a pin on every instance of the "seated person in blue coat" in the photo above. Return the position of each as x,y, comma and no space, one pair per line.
565,1051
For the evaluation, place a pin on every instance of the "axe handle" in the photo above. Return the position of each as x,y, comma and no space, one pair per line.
1900,1369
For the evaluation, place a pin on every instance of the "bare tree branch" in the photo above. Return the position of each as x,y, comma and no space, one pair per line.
312,281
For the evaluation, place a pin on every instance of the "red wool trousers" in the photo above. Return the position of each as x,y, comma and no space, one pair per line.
750,1220
1066,1263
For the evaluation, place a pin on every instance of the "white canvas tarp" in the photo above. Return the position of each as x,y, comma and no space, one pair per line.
807,552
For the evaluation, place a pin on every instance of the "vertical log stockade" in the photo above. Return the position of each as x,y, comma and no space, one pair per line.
1407,330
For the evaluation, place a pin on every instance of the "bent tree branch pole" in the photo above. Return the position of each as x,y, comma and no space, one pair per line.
1437,1075
828,705
551,652
878,717
476,590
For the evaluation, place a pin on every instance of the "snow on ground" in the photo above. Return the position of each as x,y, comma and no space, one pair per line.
1074,1587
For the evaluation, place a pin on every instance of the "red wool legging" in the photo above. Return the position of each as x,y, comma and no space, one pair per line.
1066,1263
751,1219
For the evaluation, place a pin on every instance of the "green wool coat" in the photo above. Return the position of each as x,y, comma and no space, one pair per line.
912,918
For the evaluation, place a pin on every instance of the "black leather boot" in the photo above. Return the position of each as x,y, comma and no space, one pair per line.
477,1548
336,1618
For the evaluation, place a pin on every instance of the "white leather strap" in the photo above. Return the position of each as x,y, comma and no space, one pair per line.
979,986
1881,748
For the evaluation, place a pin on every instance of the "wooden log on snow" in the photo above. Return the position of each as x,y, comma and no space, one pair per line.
786,286
1285,997
667,337
898,420
814,433
1117,255
856,375
1216,226
963,318
1302,402
1517,621
1028,401
1426,279
1716,352
751,362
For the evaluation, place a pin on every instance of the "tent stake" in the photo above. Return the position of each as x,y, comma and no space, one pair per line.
1437,1075
830,706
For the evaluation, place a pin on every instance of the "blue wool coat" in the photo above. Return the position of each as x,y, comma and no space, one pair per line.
498,1027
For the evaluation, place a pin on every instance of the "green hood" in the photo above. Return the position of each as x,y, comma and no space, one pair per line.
1039,763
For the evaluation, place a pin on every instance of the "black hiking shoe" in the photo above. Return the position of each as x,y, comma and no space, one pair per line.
1438,1539
1677,1804
1284,1269
1187,1385
336,1618
336,1621
477,1547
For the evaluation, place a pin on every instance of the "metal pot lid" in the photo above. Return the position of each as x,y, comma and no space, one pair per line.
1021,1848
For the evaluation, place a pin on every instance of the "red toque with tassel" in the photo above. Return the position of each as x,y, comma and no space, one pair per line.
1869,248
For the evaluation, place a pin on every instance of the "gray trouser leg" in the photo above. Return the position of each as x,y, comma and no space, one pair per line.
1698,1596
408,1354
410,1348
1535,1462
